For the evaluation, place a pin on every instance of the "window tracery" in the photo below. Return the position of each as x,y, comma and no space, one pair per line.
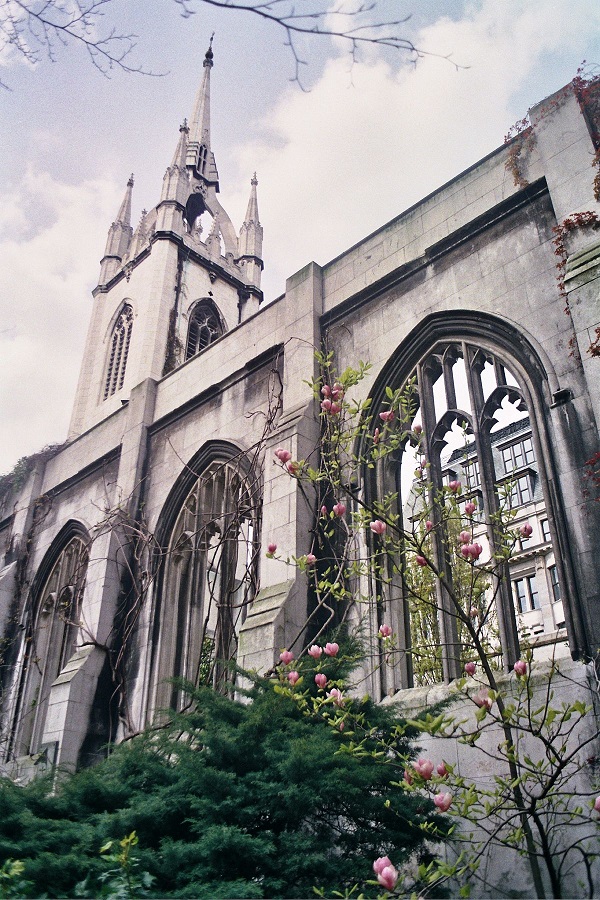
205,327
119,350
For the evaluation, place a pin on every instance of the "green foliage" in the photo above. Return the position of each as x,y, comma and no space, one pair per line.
229,800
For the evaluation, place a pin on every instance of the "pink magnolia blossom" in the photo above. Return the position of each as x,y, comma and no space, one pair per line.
315,651
342,725
337,391
470,508
326,404
271,549
376,436
442,770
428,524
336,695
339,509
424,768
335,409
384,631
408,777
526,530
324,512
332,649
421,561
320,680
292,467
482,698
520,667
286,656
474,612
470,668
293,677
597,804
380,864
471,551
455,487
465,537
326,390
377,527
283,455
443,801
388,877
310,559
387,416
417,429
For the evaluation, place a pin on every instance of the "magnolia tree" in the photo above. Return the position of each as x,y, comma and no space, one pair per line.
528,727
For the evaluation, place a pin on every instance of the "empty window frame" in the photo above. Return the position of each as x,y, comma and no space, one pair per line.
119,351
208,585
51,638
554,583
518,455
526,593
204,328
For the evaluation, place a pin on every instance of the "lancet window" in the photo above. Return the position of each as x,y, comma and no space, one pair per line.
119,350
50,641
208,584
471,425
204,328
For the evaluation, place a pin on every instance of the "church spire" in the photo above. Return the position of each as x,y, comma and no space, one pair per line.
251,238
200,157
119,237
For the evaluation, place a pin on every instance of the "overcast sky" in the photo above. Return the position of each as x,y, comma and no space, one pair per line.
334,163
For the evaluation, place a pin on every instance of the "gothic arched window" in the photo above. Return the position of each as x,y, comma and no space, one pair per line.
475,420
207,585
119,350
50,640
204,328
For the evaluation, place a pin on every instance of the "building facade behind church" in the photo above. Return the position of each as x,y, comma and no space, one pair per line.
133,554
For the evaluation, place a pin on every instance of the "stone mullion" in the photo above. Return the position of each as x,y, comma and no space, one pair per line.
507,622
451,665
400,610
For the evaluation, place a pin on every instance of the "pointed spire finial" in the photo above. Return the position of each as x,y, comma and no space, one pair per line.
254,180
130,182
124,214
208,56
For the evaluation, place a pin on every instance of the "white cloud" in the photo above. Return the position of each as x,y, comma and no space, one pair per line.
365,144
51,238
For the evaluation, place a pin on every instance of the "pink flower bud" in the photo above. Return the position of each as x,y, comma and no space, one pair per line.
470,508
597,804
326,405
335,409
332,649
378,527
387,416
339,509
470,668
526,530
293,677
283,455
455,487
324,511
286,656
387,878
421,561
443,801
465,551
380,864
337,391
337,696
315,651
292,467
310,559
474,612
342,725
271,549
417,429
442,770
520,667
482,698
376,436
326,390
320,680
384,631
464,537
428,524
476,551
408,777
424,768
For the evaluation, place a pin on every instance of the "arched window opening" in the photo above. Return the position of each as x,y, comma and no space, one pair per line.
204,328
50,641
208,584
472,425
119,350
